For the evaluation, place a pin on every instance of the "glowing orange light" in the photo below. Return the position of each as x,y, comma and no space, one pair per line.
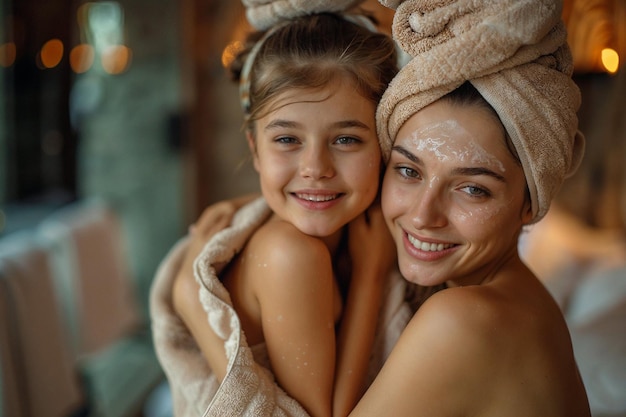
7,54
51,53
230,52
610,60
81,58
116,59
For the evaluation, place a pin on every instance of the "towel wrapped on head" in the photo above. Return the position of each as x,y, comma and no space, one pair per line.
262,14
515,53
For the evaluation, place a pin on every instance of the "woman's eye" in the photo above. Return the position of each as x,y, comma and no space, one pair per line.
407,172
475,191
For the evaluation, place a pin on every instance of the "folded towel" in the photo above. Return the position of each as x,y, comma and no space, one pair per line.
248,389
90,268
262,14
516,54
38,373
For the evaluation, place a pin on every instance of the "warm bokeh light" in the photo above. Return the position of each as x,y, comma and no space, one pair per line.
610,60
7,54
230,52
81,58
116,59
51,53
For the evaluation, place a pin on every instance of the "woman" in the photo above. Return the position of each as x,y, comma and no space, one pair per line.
477,142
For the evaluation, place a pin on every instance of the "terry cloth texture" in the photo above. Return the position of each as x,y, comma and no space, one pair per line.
262,14
515,53
248,389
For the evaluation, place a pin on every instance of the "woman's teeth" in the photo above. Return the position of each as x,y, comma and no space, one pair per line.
428,247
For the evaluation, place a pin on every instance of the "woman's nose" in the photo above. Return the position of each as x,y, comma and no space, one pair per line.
428,210
316,163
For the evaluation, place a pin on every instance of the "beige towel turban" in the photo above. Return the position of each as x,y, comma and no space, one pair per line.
262,14
515,53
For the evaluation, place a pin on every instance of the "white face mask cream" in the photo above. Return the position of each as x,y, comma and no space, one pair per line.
448,140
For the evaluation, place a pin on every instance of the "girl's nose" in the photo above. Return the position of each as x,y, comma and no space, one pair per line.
317,163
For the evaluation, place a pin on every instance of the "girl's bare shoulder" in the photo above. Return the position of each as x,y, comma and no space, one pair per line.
278,255
279,239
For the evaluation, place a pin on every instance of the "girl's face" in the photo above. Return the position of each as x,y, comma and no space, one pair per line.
318,157
453,196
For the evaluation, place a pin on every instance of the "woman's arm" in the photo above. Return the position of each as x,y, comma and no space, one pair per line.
185,291
373,255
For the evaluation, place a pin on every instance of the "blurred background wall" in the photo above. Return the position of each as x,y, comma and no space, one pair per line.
128,102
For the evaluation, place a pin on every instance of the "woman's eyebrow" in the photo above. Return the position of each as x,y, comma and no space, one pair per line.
467,171
408,155
472,171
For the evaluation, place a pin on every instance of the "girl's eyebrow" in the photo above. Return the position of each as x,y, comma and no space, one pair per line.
280,123
466,171
352,123
343,124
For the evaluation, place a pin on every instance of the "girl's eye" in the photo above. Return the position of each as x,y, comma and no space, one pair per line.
288,140
475,191
407,172
346,140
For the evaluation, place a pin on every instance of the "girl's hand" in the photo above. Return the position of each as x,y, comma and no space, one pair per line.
373,255
371,246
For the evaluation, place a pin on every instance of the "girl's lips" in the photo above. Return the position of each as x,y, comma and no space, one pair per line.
317,200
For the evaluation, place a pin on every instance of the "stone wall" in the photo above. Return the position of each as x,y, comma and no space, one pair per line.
128,151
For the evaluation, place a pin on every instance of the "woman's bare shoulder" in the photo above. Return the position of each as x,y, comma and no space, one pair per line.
463,309
469,327
477,338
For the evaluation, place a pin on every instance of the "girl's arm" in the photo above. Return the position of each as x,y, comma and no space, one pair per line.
373,255
292,279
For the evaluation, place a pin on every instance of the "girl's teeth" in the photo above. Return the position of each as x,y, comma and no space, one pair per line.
428,247
316,197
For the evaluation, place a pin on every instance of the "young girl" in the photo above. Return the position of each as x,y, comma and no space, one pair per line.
287,279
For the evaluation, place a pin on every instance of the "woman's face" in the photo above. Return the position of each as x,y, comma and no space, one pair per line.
453,196
318,157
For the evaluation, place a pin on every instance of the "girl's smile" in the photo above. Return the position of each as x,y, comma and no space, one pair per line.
318,157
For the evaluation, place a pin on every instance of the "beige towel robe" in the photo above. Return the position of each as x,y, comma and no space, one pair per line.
249,388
